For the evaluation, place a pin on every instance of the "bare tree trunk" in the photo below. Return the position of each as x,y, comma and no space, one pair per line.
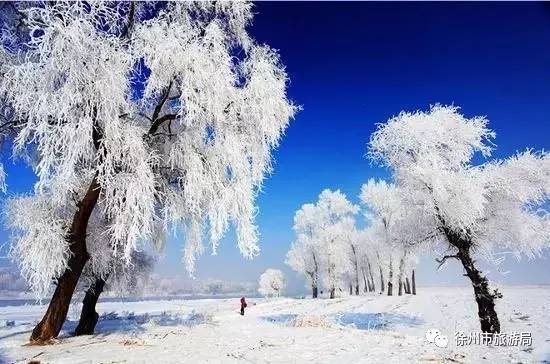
372,287
332,292
356,267
390,279
413,279
315,278
400,278
366,284
407,285
50,325
382,287
350,289
88,315
314,291
485,299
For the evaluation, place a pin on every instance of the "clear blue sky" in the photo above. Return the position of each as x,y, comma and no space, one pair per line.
354,64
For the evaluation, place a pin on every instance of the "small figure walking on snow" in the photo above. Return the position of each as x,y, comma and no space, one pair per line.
243,305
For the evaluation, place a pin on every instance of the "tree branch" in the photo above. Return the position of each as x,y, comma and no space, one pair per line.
158,122
161,103
442,260
128,28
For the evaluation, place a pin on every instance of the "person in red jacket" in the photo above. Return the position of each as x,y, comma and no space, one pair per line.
243,305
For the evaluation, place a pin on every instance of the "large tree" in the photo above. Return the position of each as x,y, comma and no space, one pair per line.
471,209
156,115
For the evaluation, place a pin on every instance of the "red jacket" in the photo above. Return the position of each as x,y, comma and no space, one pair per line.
243,302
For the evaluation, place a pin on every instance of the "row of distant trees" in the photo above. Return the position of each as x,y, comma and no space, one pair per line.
437,199
334,255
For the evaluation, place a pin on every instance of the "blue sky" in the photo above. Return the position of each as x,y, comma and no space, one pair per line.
355,64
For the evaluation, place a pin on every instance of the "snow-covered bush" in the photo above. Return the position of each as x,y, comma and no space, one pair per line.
272,283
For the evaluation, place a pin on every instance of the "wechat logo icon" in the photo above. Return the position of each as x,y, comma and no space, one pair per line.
434,336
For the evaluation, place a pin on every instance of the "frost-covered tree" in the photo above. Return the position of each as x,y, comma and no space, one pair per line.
324,234
334,248
154,115
384,200
272,283
303,256
354,249
470,209
396,229
367,257
334,228
214,287
374,255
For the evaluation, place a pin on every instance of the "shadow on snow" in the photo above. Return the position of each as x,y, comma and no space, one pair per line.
128,322
357,320
376,321
282,319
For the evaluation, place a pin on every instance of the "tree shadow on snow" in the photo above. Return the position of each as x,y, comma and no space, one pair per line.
376,321
129,322
11,334
3,357
281,319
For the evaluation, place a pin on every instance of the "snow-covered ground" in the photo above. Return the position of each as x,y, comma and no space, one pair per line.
361,329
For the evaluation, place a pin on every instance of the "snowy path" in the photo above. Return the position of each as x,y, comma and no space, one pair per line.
346,330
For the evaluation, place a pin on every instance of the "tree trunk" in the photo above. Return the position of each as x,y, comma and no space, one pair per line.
413,283
351,289
400,278
488,318
400,289
366,284
372,287
314,291
407,286
382,287
56,313
390,279
356,267
315,277
332,292
88,316
485,299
